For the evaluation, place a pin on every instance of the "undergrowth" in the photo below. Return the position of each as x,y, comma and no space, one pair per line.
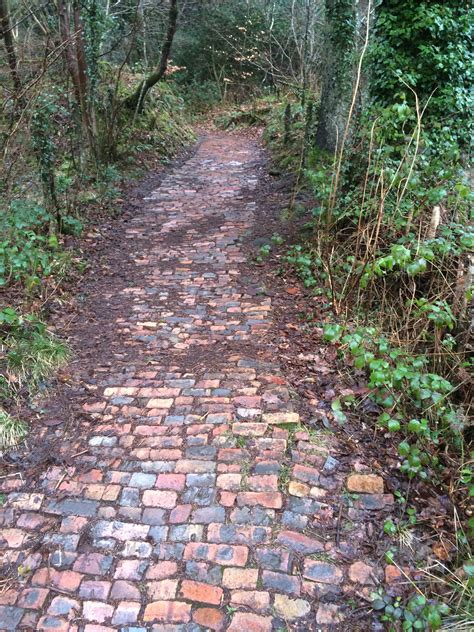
389,251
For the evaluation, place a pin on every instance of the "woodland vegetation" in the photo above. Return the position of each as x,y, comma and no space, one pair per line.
366,104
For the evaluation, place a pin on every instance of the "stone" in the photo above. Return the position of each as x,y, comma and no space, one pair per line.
328,614
290,609
296,488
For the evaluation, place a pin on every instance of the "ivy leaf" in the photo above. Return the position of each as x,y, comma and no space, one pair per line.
336,408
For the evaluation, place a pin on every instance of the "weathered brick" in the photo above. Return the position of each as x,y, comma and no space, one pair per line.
250,623
93,564
180,513
126,612
272,500
156,498
161,570
96,611
207,515
253,599
281,582
361,573
299,543
230,482
32,598
209,618
124,590
94,590
141,480
296,488
164,589
64,606
130,569
263,483
223,554
322,572
119,530
281,418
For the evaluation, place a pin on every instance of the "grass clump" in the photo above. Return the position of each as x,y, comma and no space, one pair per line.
12,430
29,353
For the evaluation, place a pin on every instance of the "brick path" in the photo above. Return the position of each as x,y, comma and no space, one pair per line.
197,501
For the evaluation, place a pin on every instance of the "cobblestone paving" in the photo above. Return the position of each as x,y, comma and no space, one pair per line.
199,502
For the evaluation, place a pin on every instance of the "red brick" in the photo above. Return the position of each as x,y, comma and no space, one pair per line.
13,537
209,618
64,580
200,592
165,455
168,612
227,499
171,481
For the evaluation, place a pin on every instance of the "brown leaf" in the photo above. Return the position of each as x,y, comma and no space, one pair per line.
292,290
442,551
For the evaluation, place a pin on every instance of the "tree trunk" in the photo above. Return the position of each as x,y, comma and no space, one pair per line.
136,100
74,56
6,34
338,72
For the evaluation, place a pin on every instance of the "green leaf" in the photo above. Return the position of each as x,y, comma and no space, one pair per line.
393,425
